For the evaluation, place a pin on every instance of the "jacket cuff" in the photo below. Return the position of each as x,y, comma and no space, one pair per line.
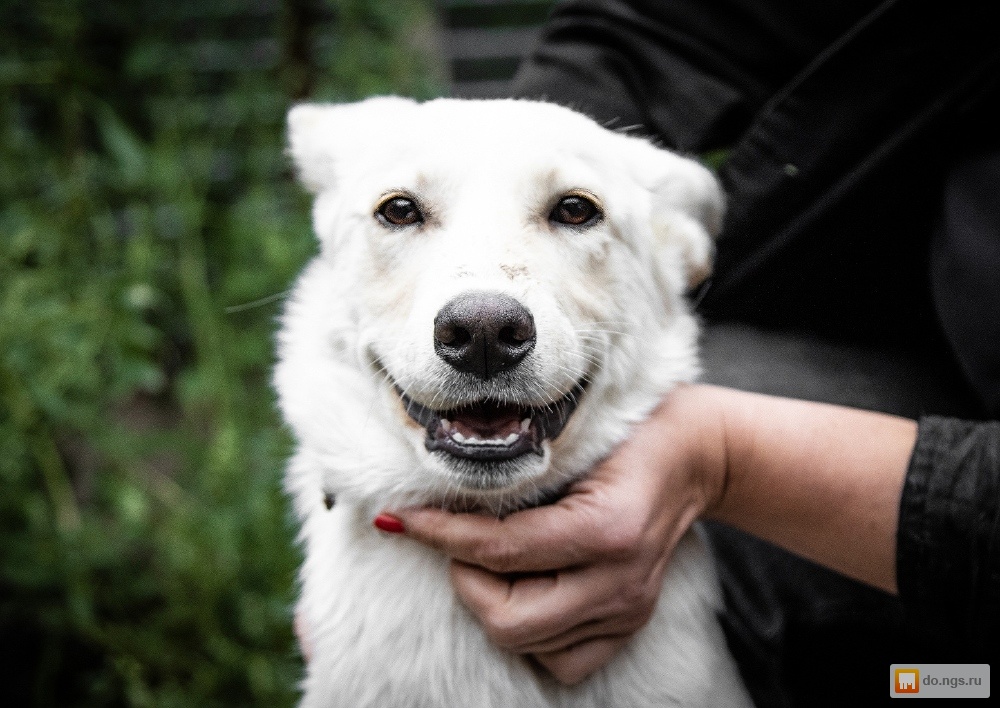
948,540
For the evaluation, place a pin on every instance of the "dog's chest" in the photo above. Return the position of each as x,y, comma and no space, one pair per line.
388,630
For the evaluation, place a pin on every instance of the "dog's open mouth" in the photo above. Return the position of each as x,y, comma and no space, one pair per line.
490,430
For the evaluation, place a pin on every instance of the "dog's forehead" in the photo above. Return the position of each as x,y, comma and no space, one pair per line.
504,121
472,141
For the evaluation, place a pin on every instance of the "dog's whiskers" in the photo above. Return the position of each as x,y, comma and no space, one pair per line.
259,302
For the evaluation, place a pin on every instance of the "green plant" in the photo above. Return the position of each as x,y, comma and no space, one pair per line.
146,553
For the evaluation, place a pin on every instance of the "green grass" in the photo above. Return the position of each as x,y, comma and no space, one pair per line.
146,549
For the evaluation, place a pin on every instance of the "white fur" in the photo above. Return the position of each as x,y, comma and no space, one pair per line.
385,626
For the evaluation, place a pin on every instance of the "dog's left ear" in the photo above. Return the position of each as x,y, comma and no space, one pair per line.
687,209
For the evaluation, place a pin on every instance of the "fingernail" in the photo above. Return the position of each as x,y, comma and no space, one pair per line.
388,523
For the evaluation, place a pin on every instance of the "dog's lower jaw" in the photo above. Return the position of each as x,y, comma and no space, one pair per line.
496,489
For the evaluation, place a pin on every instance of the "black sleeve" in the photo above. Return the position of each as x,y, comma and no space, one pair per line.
948,543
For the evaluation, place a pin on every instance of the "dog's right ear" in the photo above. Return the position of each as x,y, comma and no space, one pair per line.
690,208
320,135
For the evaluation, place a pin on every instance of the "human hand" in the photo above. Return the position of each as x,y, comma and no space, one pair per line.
570,583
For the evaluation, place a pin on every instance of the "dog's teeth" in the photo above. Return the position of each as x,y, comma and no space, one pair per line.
456,436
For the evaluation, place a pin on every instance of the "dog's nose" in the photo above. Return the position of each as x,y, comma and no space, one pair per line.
483,333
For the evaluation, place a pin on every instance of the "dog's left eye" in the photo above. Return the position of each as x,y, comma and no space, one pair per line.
399,211
575,210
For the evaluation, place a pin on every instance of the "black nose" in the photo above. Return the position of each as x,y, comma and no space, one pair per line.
483,333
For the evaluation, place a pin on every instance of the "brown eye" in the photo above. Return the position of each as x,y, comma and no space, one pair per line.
399,211
575,211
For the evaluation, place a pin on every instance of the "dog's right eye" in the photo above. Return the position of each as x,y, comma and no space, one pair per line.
399,211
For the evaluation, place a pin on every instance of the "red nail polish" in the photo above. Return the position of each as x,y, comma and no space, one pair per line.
388,523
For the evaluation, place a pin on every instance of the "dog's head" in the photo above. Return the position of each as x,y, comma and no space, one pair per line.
509,280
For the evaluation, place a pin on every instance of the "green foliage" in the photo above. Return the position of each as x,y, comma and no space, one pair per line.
146,551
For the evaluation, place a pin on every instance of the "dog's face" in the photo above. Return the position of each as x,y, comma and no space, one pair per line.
508,268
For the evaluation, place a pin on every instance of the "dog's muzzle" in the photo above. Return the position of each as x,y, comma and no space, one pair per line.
483,335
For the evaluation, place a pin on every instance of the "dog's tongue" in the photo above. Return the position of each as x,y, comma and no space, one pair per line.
489,421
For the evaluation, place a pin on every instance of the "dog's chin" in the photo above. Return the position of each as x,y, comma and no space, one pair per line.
490,448
494,487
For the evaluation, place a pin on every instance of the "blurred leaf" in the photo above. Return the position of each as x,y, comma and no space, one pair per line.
123,146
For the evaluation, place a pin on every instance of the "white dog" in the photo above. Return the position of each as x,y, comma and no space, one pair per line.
497,298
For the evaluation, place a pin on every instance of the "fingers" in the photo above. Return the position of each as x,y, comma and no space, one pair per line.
602,518
572,665
551,612
545,538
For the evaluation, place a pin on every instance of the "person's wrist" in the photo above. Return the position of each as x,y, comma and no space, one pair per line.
709,439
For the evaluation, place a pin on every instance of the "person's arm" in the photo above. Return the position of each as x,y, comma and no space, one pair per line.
821,480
